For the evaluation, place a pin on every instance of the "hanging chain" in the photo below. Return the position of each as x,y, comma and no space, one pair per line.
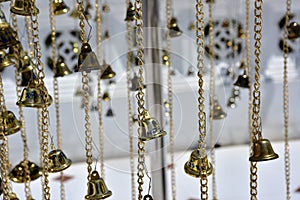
286,103
29,36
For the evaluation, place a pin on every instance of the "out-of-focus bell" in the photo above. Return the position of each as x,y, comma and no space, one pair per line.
231,102
25,63
191,71
14,52
243,80
218,111
4,60
7,38
106,35
198,166
135,83
24,7
12,196
108,73
97,188
262,151
150,128
174,30
26,77
105,8
10,122
58,161
293,30
109,113
32,95
191,26
106,96
74,13
87,60
61,68
18,175
130,14
165,58
60,7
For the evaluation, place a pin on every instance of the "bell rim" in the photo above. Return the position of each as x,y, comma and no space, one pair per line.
62,12
62,167
66,73
108,76
35,105
220,117
19,12
160,134
194,174
103,196
266,158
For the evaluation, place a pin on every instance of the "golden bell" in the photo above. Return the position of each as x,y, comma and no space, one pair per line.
97,188
174,30
59,7
11,123
108,73
105,8
87,60
61,68
17,174
106,96
32,95
193,166
26,77
242,81
150,128
293,30
25,63
218,112
74,13
12,196
58,161
165,58
4,60
130,13
262,151
109,113
24,7
7,38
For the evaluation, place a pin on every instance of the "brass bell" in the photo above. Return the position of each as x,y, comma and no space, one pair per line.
150,128
174,30
243,80
108,73
97,188
61,68
32,95
59,7
12,196
87,60
109,113
7,38
262,151
105,8
4,60
198,166
218,112
10,122
293,30
165,58
24,7
74,13
25,63
17,174
26,77
58,161
130,13
106,96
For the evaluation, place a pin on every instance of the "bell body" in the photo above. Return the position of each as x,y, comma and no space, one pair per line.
109,113
59,7
193,166
108,73
26,77
61,68
7,38
25,63
11,123
87,60
262,151
4,60
218,112
293,30
106,96
58,161
23,7
130,14
174,30
97,188
242,81
18,173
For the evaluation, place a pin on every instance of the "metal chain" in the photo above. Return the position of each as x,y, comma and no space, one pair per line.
286,103
140,95
81,22
201,113
29,36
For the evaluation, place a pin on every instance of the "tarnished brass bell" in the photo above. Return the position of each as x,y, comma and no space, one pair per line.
87,60
24,7
130,14
174,30
108,73
12,196
198,166
150,128
262,151
218,112
58,161
18,175
106,96
109,113
243,80
60,7
27,76
7,38
33,95
293,30
61,68
4,60
25,63
97,188
10,122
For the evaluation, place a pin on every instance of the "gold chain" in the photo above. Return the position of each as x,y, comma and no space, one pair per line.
201,114
140,95
29,36
286,103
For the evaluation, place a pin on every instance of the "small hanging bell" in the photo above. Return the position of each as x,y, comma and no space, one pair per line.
109,113
12,196
27,76
24,7
150,128
87,60
108,73
106,96
130,13
11,124
174,30
25,63
33,95
7,38
165,58
17,174
218,112
4,60
198,166
106,35
60,7
105,8
58,161
293,30
243,80
262,151
191,26
191,71
61,68
74,13
97,188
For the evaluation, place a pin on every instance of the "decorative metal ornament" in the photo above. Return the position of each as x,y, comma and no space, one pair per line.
24,7
18,172
293,30
262,151
174,30
106,35
87,60
191,26
108,73
97,188
109,113
106,96
130,13
135,83
243,80
105,8
60,7
198,166
4,60
61,68
12,196
27,76
25,63
165,58
10,122
7,34
33,95
58,161
218,112
150,128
